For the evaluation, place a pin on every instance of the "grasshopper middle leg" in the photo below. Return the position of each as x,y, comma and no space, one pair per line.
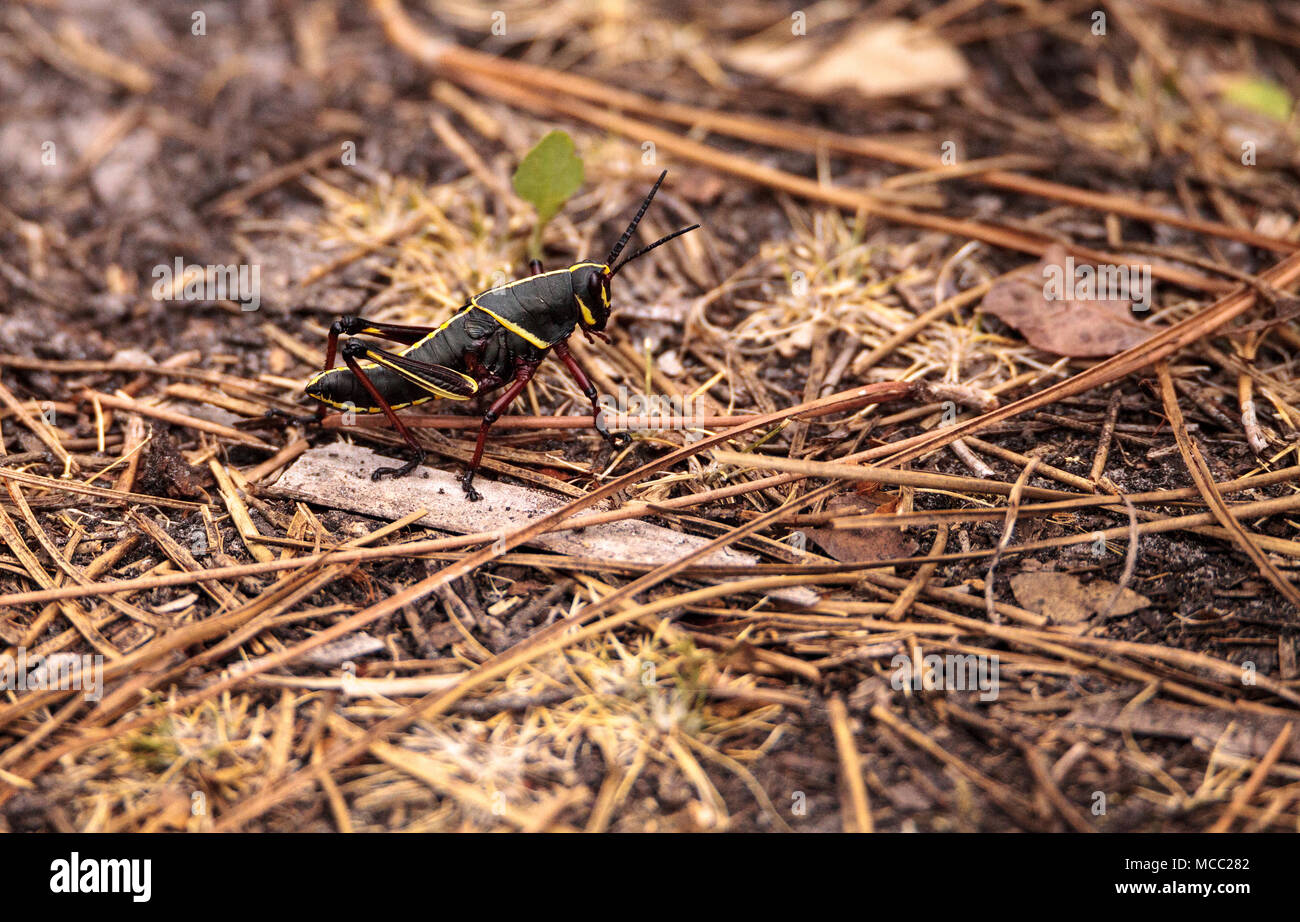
523,374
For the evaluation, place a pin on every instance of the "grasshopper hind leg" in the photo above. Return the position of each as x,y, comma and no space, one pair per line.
436,380
350,352
405,334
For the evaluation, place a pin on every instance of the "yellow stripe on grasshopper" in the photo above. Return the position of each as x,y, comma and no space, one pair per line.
348,405
513,327
424,383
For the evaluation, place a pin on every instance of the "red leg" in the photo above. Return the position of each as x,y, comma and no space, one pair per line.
402,333
346,326
523,374
332,345
406,334
393,418
474,367
583,382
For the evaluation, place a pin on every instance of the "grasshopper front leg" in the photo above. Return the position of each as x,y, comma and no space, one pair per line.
618,440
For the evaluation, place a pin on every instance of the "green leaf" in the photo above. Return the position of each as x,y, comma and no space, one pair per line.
549,174
1260,95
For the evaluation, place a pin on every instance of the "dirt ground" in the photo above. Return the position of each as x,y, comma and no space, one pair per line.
1146,679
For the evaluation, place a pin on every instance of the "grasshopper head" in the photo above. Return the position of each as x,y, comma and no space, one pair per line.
591,288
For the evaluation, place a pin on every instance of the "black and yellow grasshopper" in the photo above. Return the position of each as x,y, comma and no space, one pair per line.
498,337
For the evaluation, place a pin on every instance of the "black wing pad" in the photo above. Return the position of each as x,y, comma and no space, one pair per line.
438,380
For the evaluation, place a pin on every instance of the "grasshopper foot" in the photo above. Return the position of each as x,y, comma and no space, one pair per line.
396,472
275,418
616,439
467,484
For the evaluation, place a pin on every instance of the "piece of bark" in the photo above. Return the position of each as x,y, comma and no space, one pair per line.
1236,732
338,476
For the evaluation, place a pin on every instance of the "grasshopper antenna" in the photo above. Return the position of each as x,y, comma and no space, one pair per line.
644,250
631,228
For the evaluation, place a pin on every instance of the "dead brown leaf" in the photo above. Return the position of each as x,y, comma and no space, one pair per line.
861,545
1080,328
885,58
1066,599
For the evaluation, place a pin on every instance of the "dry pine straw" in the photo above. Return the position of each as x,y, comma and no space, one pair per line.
606,687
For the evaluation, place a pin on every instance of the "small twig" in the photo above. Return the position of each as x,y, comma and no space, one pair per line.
899,607
1013,507
40,429
1105,437
176,419
1205,482
231,202
858,817
1249,789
